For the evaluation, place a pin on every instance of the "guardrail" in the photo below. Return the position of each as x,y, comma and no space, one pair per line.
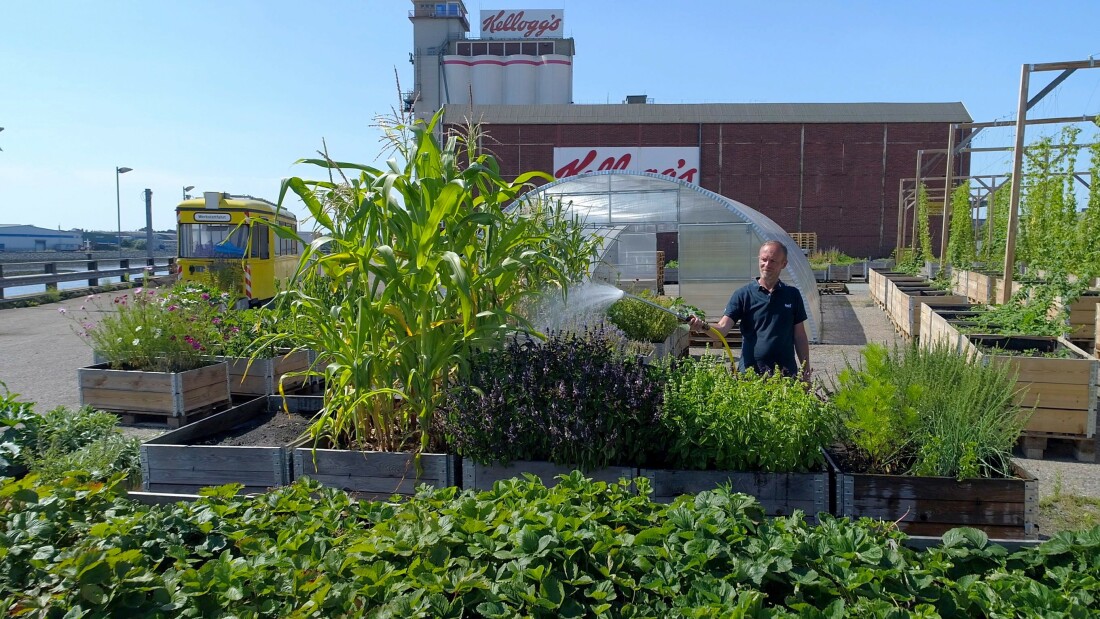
54,272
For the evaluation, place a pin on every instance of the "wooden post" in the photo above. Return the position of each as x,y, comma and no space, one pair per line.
50,268
1014,195
947,194
916,206
93,266
901,217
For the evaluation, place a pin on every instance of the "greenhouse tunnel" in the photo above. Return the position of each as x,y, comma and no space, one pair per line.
717,239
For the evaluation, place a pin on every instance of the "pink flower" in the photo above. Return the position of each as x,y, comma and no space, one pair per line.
205,296
172,308
61,310
217,320
138,290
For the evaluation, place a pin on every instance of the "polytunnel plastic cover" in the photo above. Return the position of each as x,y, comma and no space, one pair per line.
718,238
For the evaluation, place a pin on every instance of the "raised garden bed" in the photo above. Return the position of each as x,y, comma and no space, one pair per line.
979,287
779,493
373,475
877,280
904,305
938,324
173,395
1082,316
263,375
246,444
482,476
675,345
1002,508
1061,390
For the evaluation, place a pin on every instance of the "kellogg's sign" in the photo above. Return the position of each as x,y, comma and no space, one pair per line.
681,162
526,24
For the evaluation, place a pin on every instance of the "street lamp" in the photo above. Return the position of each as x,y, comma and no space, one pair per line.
118,206
185,190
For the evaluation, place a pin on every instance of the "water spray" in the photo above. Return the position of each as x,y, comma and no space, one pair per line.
685,316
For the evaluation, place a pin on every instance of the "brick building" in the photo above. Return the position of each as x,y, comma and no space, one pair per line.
829,168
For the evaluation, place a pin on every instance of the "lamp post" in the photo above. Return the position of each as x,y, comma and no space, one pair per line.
185,190
118,207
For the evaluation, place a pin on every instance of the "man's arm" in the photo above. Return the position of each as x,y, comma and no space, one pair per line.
802,349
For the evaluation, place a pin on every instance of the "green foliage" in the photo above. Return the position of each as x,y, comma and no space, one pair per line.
960,243
641,321
83,440
572,399
1038,308
18,431
995,231
923,228
930,412
822,259
151,331
1048,209
423,266
581,548
718,420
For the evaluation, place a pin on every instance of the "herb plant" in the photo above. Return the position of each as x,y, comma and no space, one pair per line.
641,321
18,431
717,420
572,400
931,412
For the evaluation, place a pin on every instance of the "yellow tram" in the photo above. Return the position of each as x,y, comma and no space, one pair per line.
225,240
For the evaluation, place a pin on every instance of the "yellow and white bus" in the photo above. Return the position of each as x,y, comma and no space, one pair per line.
225,240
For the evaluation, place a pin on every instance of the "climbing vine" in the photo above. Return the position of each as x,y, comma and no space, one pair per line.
960,245
923,232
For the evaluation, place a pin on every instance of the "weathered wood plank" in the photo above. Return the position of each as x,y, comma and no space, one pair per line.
938,529
958,513
482,477
212,458
383,486
97,377
215,424
191,489
371,463
203,377
122,401
909,487
1057,396
1059,421
199,397
214,477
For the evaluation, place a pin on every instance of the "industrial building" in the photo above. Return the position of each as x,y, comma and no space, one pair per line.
19,237
833,169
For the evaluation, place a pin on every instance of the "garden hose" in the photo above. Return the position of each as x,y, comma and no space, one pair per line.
685,317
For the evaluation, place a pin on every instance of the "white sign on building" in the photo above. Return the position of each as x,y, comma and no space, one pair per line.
524,24
681,162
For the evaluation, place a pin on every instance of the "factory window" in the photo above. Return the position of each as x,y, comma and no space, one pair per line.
496,49
530,49
546,47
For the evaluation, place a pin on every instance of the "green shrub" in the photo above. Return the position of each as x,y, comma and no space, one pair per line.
18,432
82,440
718,420
931,412
641,321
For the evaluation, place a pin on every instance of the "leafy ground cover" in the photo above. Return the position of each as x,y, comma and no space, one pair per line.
579,549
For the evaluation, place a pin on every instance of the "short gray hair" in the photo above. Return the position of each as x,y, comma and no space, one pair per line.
778,245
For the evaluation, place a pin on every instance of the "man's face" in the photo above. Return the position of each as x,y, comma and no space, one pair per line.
772,262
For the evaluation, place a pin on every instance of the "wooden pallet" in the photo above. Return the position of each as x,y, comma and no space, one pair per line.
172,422
807,241
832,288
699,340
1039,446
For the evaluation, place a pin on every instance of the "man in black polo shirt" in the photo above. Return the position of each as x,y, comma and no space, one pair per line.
772,319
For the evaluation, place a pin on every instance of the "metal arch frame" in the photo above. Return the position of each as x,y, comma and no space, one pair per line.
748,215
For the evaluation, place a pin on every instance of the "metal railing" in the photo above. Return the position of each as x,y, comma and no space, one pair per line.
51,273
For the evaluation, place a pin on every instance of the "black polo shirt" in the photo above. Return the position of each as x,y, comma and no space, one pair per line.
767,325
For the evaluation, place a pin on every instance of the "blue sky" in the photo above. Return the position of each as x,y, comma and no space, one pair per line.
226,95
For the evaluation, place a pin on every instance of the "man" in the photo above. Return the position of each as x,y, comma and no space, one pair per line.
772,317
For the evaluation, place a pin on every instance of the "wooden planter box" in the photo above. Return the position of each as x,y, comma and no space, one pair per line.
878,284
858,270
482,476
820,275
675,345
1062,391
1082,316
983,288
373,475
1003,508
173,463
905,305
262,377
838,273
779,493
938,325
167,394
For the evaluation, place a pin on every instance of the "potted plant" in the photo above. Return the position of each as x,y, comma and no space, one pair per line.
157,351
643,322
574,401
928,438
762,435
255,368
414,267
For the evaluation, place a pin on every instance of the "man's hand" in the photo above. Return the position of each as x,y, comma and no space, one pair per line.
696,324
807,373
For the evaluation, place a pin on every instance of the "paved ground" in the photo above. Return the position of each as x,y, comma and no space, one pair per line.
40,353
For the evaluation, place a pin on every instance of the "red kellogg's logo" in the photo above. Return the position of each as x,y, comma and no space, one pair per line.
505,21
621,159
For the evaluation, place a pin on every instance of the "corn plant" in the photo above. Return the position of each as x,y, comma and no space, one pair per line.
416,265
